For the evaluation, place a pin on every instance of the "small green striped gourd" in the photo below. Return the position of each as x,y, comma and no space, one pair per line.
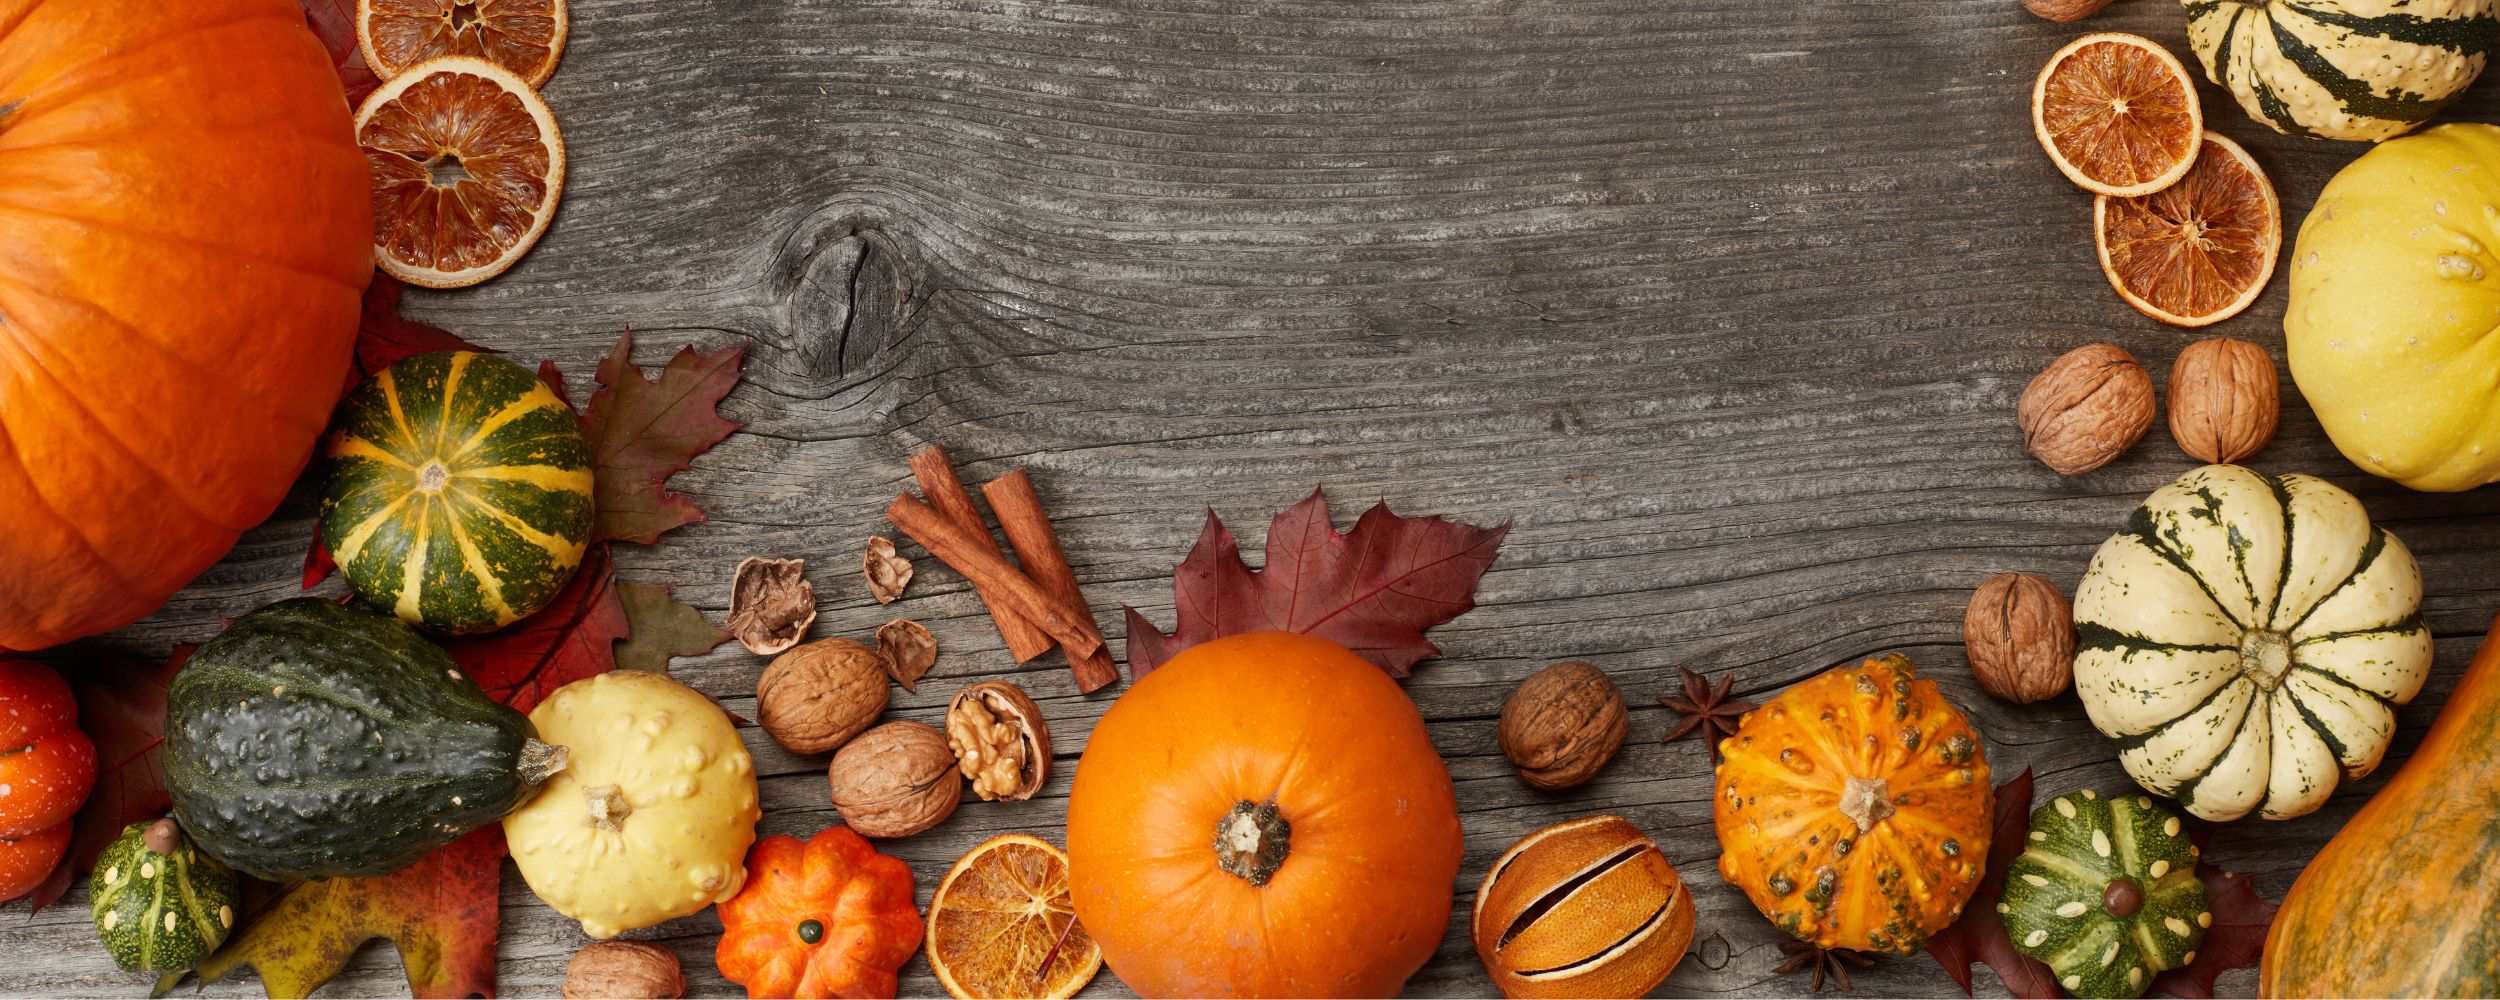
2247,639
2342,69
159,904
2106,894
458,495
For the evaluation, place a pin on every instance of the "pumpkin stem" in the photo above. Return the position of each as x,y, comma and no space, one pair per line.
2265,656
1251,841
162,836
540,761
2122,898
608,807
432,476
1866,801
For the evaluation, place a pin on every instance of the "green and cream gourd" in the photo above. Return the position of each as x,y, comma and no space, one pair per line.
2342,69
159,904
2106,894
2247,639
312,740
458,495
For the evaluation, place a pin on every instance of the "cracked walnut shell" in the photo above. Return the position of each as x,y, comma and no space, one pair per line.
771,604
2020,634
1000,740
2225,400
816,697
887,573
895,780
1563,724
2086,408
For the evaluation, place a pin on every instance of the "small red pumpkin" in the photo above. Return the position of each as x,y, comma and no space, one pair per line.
26,861
827,918
46,764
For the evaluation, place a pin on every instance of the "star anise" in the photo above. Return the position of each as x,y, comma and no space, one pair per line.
1708,710
1835,962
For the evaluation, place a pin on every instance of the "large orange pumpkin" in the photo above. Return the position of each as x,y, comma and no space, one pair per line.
1263,816
187,232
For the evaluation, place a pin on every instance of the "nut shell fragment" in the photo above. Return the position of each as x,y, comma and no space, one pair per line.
1000,739
895,780
1563,724
771,604
820,695
887,573
909,651
2086,408
1588,908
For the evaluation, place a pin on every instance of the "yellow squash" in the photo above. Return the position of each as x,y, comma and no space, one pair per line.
2394,323
653,814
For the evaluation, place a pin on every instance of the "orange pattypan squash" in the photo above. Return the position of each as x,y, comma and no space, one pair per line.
190,230
1854,808
830,917
1263,816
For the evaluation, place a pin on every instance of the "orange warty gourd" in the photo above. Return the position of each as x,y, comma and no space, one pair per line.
1263,816
1854,808
190,232
2399,904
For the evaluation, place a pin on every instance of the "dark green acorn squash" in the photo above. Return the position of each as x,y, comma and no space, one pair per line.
311,739
458,492
159,904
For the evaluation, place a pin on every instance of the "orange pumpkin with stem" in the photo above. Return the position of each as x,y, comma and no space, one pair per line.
1263,816
192,230
830,917
1854,809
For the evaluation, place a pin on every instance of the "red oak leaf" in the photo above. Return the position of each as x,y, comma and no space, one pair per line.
642,432
2237,939
441,912
121,706
1978,935
334,22
1374,589
573,637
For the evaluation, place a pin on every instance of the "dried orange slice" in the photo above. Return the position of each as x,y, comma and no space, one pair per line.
1002,925
2198,251
467,168
524,36
2117,114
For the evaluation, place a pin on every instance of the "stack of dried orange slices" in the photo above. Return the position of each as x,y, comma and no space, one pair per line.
2187,224
467,162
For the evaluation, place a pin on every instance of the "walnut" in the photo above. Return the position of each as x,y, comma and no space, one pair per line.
771,604
1000,740
2065,11
909,650
887,573
816,697
613,969
895,780
1562,725
2021,637
2086,408
2224,399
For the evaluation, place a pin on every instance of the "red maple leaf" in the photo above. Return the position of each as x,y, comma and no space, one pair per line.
334,22
1374,589
573,637
2237,939
644,431
121,706
1978,935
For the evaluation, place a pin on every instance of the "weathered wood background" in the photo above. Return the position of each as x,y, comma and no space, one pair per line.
1725,302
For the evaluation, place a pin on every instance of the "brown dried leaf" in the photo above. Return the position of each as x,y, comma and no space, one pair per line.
887,573
771,604
909,652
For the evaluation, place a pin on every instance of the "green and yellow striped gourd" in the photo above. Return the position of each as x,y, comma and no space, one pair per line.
159,904
2342,69
2105,892
459,491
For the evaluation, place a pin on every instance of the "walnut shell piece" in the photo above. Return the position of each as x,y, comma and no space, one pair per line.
1563,724
2020,634
771,604
909,651
1540,935
2225,400
1000,739
887,573
895,780
2086,408
817,697
624,969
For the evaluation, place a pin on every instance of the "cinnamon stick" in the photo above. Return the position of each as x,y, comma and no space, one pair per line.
977,558
1020,515
947,495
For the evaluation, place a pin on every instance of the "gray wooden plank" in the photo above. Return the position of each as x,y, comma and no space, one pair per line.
1725,303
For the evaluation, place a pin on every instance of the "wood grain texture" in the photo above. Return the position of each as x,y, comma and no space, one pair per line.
1726,302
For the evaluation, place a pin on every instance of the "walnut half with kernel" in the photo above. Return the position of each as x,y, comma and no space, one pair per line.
1000,740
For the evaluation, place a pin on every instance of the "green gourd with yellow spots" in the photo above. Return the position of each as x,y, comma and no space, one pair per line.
159,904
2105,892
458,494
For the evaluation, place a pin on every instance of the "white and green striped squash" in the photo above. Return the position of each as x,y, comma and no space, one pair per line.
159,904
2342,69
459,492
2105,893
2246,640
